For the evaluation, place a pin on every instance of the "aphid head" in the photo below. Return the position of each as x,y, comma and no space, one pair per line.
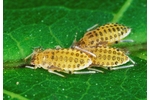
37,50
34,57
80,43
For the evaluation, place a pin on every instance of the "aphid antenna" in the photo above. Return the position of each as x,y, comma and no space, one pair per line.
85,51
29,56
84,72
75,40
75,37
56,73
93,27
97,70
35,50
128,40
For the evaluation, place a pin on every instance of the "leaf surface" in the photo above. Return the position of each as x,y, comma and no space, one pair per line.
51,23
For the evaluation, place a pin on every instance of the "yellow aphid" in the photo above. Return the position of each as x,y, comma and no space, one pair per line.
63,60
109,58
103,35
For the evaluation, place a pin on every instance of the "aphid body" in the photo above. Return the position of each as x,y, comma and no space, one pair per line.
64,60
108,57
103,35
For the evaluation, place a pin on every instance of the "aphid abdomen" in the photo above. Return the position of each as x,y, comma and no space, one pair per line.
108,57
71,59
104,35
117,31
62,59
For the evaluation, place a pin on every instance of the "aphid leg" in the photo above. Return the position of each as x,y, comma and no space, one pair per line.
56,73
83,72
132,61
94,69
126,66
85,51
51,69
66,71
75,38
31,67
93,27
58,47
129,40
122,67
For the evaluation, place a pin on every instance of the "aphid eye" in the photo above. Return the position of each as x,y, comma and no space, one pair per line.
108,68
118,49
116,42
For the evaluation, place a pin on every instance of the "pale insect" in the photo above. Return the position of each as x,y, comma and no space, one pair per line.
104,35
61,60
109,58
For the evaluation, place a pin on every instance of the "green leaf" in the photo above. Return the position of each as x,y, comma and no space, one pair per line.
51,23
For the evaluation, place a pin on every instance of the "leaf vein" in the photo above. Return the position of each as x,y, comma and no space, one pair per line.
17,43
120,13
88,87
14,95
57,40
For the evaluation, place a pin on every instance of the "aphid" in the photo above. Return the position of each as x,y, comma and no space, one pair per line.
104,35
63,60
109,58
